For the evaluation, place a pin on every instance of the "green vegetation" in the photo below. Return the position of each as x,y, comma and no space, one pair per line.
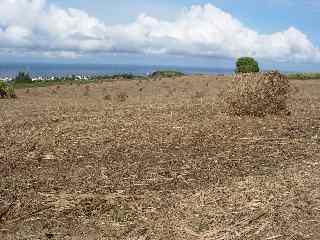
6,90
45,83
23,81
126,76
304,76
247,65
167,74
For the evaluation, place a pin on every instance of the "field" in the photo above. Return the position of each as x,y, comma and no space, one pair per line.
144,160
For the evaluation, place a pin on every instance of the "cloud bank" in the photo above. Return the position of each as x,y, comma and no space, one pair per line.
36,26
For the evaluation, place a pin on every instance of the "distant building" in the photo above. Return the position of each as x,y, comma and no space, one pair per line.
37,78
81,77
6,79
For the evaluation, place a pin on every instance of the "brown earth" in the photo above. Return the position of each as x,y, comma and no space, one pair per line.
157,160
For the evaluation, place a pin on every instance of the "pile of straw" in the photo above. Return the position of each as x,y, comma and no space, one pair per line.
257,94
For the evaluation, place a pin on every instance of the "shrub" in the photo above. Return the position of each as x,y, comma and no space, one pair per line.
257,94
304,76
22,77
3,90
247,65
6,90
167,74
128,76
10,92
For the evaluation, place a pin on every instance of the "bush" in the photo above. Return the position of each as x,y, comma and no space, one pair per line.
10,92
22,77
304,76
6,90
247,65
257,94
128,76
167,74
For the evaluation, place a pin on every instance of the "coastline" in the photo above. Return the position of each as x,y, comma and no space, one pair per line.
49,70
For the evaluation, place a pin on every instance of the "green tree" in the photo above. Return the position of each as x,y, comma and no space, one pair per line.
22,77
247,65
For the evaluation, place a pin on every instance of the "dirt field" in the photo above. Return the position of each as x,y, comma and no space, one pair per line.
144,160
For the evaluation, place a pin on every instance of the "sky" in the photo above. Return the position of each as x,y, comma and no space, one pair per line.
280,34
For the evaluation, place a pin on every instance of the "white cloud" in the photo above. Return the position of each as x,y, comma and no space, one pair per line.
37,26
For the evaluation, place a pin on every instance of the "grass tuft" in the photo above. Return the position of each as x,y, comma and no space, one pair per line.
6,90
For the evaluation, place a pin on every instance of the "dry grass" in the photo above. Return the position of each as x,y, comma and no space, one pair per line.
107,97
122,97
86,92
157,167
257,94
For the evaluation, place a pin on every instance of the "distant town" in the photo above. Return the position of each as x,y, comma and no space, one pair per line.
52,78
25,77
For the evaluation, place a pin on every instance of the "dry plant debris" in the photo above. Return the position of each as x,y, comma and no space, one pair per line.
258,94
157,167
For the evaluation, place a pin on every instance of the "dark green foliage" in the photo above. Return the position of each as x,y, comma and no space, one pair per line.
6,90
22,77
167,74
247,65
124,76
304,76
3,92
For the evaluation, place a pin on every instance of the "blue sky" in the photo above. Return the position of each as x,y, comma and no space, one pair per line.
279,33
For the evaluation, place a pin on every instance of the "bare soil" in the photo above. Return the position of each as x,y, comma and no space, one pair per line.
146,160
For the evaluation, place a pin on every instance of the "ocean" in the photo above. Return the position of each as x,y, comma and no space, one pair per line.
35,70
